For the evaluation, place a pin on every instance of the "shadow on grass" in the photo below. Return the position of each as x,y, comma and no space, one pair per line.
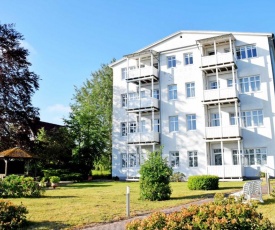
194,197
57,197
88,185
268,201
47,225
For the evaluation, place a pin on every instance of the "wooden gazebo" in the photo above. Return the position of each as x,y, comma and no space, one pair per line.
12,161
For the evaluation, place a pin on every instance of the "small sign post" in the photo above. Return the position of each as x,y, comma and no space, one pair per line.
128,201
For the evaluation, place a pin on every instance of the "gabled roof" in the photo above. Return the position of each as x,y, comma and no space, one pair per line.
220,33
15,153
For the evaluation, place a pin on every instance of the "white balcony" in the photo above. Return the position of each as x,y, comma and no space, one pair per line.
225,171
218,59
144,137
142,72
222,132
218,94
143,104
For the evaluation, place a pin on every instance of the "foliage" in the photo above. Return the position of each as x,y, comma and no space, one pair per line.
19,186
54,179
220,214
177,177
54,149
90,122
155,178
203,182
17,85
63,174
12,216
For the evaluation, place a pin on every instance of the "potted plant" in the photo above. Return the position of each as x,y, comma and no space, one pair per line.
54,181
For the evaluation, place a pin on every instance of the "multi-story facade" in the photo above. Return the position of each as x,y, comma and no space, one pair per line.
207,98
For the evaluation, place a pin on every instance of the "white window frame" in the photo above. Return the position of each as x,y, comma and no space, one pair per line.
123,128
155,93
124,160
188,59
193,159
246,51
255,156
213,85
156,125
123,73
174,159
172,92
250,84
229,83
217,152
233,118
133,96
171,62
173,124
124,100
215,120
142,126
236,157
190,89
191,121
132,127
254,118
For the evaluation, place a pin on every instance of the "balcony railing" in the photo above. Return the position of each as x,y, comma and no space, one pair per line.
222,132
217,94
143,103
142,72
144,137
225,171
219,58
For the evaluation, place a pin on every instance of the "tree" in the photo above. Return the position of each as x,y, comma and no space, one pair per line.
17,85
155,178
90,122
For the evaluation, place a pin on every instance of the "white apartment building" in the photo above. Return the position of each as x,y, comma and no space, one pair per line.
206,98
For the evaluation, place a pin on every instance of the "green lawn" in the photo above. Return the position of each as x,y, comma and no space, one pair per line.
94,202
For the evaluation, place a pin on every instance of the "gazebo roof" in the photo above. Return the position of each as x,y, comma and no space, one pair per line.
15,153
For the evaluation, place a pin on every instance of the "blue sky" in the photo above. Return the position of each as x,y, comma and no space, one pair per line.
69,39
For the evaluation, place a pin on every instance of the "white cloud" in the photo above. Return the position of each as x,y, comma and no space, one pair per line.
29,47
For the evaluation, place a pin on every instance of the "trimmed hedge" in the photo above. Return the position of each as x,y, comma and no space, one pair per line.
12,216
220,214
203,182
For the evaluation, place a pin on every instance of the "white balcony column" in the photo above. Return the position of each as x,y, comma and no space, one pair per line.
230,46
223,165
127,160
236,114
139,66
220,117
154,147
215,51
234,78
152,61
239,151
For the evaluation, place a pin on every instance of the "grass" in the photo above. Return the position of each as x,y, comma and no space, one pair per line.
90,203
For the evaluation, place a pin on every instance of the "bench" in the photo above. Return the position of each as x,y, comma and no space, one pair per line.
251,190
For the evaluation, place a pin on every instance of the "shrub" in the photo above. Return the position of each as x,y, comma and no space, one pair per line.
54,179
19,186
219,214
177,177
155,178
203,182
12,216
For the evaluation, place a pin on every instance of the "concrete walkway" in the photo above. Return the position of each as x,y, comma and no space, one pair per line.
120,225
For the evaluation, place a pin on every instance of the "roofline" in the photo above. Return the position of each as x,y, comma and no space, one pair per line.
193,32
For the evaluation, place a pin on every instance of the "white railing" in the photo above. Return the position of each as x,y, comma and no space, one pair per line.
143,103
224,131
213,94
141,72
217,59
144,137
225,170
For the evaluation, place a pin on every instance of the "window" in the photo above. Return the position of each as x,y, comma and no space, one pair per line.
132,160
123,73
142,126
123,126
193,158
218,156
132,127
191,122
247,51
172,92
133,96
173,124
233,119
250,84
190,89
142,94
174,159
229,82
252,118
156,93
215,119
171,62
236,157
188,59
213,85
156,125
261,156
124,100
255,156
